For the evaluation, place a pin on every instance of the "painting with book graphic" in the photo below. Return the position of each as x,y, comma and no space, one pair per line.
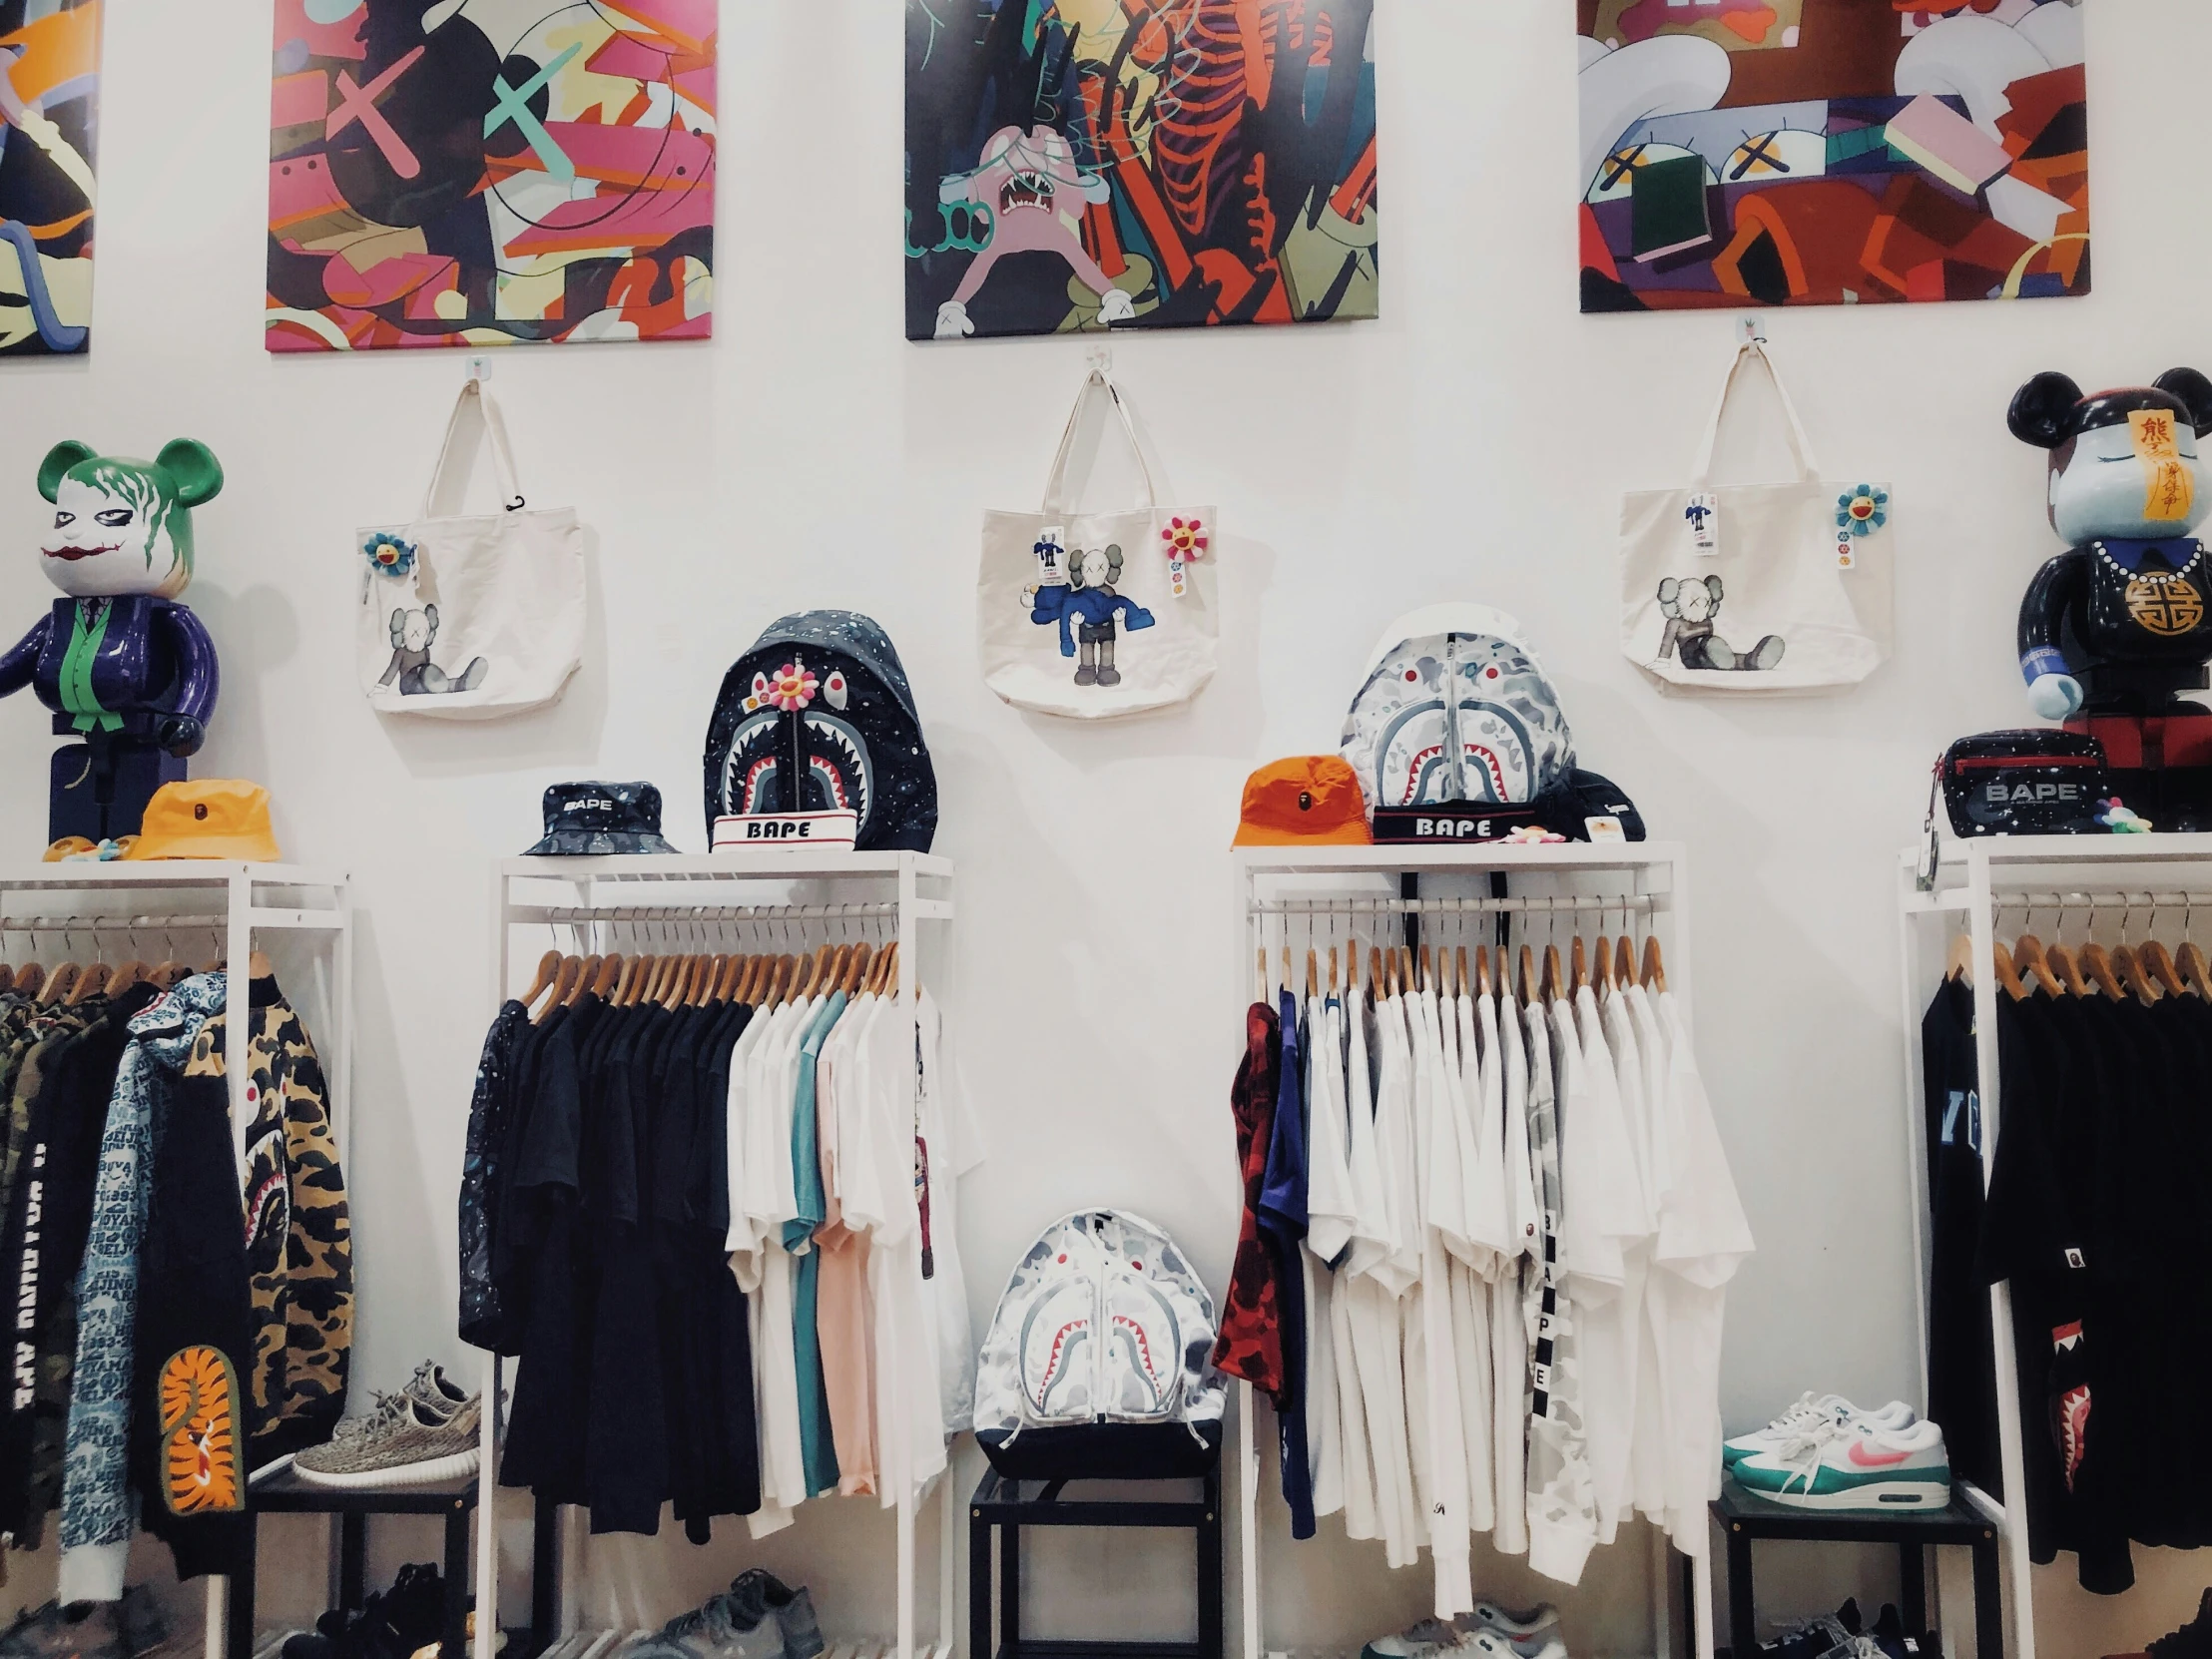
1138,163
478,172
49,120
1831,151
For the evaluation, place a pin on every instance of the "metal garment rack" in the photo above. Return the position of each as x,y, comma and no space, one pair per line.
1975,881
1276,887
150,900
685,897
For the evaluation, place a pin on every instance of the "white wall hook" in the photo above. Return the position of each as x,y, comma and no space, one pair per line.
1752,330
479,367
1101,359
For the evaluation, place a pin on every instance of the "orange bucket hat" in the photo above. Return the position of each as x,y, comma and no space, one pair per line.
1305,800
208,817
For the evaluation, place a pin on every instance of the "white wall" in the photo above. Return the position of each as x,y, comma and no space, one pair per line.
1470,445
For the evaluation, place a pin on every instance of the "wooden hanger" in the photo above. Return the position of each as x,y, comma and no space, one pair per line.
1332,971
1527,976
90,982
1261,995
1405,967
2027,955
609,975
1655,967
1958,958
549,968
577,977
2062,962
30,977
1554,973
1604,963
58,984
2008,977
132,972
1374,972
2096,965
1352,970
2127,963
2038,974
1459,965
2159,963
1481,971
2195,969
1313,971
1581,967
1625,963
1427,979
890,970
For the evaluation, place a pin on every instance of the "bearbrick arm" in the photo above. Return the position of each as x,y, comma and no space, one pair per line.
2051,689
17,667
191,698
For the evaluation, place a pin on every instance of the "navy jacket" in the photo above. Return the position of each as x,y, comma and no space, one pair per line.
155,660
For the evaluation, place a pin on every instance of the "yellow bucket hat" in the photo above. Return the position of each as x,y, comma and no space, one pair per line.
208,817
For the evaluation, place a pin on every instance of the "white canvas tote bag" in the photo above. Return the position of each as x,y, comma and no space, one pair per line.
1098,615
1757,588
470,618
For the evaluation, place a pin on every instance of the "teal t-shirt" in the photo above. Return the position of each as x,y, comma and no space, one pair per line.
817,1449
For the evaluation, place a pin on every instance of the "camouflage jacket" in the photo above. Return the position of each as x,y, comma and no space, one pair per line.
298,1235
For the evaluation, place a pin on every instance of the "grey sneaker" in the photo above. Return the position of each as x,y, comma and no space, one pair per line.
93,1632
793,1610
403,1442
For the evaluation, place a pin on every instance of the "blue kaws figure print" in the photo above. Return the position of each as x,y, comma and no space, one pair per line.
1090,612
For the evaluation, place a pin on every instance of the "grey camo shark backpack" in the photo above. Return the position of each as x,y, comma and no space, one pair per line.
1096,1366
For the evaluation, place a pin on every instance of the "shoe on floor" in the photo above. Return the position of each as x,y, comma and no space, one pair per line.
1810,1411
1834,1634
84,1630
390,1624
1532,1635
406,1442
2192,1641
1435,1639
1853,1467
758,1617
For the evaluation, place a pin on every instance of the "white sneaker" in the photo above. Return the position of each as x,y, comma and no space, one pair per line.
1853,1467
1532,1635
1435,1639
1809,1411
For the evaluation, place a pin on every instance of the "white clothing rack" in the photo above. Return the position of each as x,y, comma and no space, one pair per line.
44,901
606,896
1648,879
1975,882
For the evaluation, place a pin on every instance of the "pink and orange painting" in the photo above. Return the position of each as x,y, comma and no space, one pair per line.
490,173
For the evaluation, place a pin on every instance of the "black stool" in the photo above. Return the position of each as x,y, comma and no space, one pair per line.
999,1503
1745,1520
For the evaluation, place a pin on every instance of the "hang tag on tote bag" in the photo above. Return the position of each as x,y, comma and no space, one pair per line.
471,617
1094,615
1742,589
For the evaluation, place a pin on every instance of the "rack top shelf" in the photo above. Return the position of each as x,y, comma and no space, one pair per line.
763,865
164,872
2070,849
1488,856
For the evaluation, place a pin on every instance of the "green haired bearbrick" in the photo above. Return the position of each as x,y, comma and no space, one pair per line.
123,666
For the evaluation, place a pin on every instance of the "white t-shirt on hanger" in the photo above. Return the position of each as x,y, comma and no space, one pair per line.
1508,1311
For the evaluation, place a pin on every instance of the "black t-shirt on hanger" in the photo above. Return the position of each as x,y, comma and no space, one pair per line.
1962,1378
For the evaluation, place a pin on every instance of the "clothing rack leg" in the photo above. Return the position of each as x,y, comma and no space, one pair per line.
239,1614
979,1582
1009,1590
1912,1586
454,1637
1989,1604
906,1571
1210,1587
352,1560
1247,1520
487,1509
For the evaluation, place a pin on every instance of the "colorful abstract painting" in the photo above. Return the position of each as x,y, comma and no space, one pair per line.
1138,163
490,172
1831,151
48,119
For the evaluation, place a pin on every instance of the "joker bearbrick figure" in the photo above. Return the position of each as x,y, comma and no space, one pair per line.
126,669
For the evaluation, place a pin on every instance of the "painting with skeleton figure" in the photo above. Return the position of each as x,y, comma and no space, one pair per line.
1128,163
1831,151
478,172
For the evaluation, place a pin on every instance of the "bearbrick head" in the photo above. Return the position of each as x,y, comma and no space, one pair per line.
124,526
2123,464
414,630
1692,599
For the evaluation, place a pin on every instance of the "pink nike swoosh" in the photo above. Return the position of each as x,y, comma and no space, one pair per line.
1876,1459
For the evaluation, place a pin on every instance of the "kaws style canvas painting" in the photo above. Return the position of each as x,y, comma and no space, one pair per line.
48,119
1831,151
1152,164
490,172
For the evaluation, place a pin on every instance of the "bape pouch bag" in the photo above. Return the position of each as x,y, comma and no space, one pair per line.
1743,589
471,617
1098,615
814,742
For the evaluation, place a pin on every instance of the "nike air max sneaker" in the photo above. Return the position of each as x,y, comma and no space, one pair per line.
1807,1413
1853,1467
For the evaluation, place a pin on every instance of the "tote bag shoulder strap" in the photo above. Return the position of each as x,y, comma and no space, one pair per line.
502,459
1801,449
1056,504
